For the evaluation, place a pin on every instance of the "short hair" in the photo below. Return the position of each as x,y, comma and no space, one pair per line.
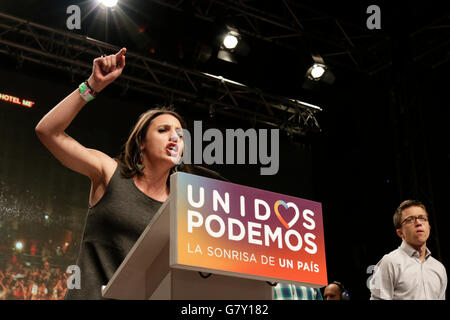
404,205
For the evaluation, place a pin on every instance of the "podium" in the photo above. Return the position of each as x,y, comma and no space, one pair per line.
153,270
145,273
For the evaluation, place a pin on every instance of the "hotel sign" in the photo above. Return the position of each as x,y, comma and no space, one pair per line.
16,100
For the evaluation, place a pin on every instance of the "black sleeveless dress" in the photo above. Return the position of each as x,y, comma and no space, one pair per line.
112,227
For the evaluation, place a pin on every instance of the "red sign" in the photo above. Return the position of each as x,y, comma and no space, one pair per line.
16,100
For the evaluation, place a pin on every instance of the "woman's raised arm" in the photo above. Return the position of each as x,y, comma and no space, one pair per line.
51,129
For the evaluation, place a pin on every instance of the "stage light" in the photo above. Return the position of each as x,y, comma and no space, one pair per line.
108,3
231,45
316,71
46,217
19,245
231,40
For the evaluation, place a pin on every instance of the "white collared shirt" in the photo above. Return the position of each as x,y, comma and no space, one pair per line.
400,275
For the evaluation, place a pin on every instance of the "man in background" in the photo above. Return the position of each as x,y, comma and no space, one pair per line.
335,291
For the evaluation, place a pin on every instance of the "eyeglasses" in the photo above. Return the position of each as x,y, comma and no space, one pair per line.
412,219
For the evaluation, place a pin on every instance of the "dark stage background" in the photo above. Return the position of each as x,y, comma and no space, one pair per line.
384,139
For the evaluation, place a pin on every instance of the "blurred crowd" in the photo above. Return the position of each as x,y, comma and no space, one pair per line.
27,282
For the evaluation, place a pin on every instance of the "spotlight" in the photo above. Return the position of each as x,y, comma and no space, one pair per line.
316,71
108,3
231,40
19,245
230,45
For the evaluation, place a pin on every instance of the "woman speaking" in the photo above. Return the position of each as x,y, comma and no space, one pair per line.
125,191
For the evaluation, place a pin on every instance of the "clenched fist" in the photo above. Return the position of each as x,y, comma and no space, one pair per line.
107,69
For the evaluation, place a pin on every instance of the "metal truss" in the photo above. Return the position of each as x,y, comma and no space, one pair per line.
292,24
74,53
433,49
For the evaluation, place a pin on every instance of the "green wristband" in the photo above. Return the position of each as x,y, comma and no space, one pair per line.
85,92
